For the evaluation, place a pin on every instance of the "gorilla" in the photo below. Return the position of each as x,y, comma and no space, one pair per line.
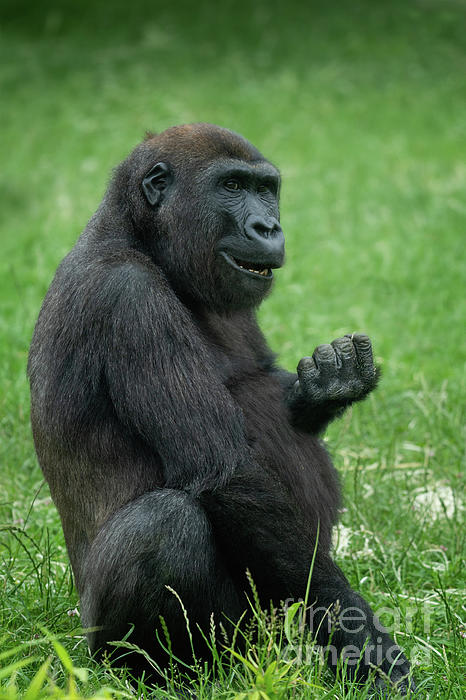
179,455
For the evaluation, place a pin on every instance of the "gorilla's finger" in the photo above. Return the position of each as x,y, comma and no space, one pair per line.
344,350
324,357
306,367
363,349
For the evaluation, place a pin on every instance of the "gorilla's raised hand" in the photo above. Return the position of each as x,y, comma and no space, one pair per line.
333,378
342,372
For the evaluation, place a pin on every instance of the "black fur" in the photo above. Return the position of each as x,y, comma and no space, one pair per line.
176,451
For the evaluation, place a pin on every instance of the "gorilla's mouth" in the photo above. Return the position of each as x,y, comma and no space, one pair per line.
248,267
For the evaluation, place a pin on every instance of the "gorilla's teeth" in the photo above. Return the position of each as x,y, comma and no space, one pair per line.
265,272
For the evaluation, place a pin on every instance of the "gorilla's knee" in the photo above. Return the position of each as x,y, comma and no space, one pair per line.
152,554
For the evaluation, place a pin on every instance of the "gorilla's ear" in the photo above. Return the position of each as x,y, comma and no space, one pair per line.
155,183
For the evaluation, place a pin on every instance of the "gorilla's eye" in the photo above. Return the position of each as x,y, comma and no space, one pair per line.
232,185
263,188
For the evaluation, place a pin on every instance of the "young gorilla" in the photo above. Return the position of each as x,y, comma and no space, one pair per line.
177,453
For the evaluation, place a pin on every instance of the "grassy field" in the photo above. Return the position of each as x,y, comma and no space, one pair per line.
362,105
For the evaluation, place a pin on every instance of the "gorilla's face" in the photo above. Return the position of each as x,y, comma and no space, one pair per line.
218,230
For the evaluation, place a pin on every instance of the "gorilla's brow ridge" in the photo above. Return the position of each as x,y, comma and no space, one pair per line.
238,166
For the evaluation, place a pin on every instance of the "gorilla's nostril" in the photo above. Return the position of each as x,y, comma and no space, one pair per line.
262,227
262,230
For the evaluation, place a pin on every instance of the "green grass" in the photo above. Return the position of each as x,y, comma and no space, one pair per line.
363,106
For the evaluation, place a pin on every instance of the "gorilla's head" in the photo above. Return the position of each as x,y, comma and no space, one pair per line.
204,202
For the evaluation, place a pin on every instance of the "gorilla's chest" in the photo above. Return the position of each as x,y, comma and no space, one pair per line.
268,429
242,362
297,459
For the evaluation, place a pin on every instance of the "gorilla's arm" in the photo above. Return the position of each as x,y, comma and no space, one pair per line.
162,381
327,383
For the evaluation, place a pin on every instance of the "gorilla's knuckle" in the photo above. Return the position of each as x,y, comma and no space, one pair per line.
305,363
362,341
324,351
344,347
343,342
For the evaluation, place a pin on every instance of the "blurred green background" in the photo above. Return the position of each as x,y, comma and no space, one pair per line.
362,105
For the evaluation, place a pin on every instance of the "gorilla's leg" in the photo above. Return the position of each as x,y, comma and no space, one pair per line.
347,628
162,538
259,526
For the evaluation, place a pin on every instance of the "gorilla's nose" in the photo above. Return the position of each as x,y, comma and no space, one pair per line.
266,237
261,226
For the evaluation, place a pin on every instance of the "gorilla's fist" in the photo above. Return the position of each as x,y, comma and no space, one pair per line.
341,372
